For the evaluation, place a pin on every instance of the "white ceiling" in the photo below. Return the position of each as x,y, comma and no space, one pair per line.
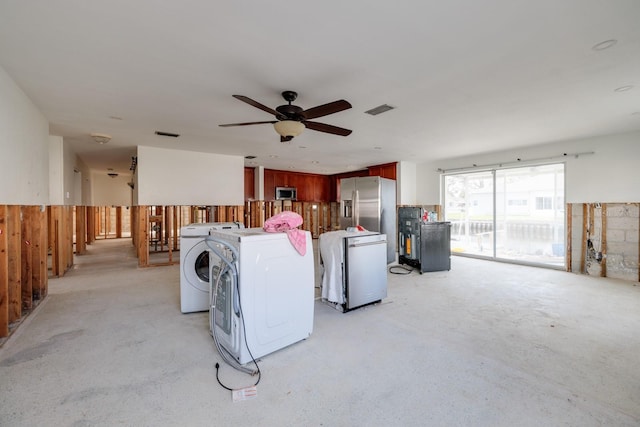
466,76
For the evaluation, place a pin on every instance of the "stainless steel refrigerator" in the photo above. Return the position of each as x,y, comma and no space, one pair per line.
370,201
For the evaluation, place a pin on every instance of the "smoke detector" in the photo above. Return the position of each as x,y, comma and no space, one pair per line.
101,138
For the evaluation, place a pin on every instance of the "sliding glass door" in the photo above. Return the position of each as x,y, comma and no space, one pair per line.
469,208
511,214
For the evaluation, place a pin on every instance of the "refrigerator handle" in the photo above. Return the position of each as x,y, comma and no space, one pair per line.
356,208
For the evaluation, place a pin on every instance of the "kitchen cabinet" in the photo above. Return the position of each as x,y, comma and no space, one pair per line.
310,187
387,170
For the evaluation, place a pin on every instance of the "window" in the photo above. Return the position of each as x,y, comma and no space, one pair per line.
543,203
491,216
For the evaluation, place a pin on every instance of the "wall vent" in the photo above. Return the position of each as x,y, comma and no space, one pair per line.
172,135
380,109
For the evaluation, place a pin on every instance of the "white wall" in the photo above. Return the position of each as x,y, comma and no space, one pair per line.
68,175
609,175
427,184
56,180
24,148
406,172
66,172
107,191
85,176
174,177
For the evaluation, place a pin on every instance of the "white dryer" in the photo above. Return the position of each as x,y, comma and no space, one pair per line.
270,286
194,264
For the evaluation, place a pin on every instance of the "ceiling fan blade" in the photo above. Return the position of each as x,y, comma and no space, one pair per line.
247,124
256,104
323,127
326,109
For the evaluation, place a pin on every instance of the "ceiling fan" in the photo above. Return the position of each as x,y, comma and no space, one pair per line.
291,119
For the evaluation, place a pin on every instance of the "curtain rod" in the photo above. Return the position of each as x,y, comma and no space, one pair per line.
518,161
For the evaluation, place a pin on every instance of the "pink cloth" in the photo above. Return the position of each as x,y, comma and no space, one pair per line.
287,221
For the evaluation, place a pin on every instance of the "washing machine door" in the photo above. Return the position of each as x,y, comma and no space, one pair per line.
196,267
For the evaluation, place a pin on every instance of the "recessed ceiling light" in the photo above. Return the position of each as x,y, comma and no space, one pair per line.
115,118
273,156
315,162
623,88
377,148
605,44
249,157
302,146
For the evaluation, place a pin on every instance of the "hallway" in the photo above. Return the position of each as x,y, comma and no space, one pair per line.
485,344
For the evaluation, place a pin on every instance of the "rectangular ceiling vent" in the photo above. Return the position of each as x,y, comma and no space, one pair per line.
380,109
172,135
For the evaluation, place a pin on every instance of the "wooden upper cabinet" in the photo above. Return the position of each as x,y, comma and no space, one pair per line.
387,170
317,188
310,187
322,188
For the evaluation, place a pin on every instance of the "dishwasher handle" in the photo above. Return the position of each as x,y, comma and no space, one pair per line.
377,242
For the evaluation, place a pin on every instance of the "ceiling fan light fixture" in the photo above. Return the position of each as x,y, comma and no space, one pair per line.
288,128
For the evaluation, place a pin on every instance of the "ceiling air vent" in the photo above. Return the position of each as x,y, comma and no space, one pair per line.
172,135
380,109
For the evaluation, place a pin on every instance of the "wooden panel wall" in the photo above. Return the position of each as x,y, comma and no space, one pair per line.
26,259
23,262
4,273
61,239
81,229
142,235
318,217
14,250
91,214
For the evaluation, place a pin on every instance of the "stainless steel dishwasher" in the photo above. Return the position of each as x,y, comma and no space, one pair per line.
365,269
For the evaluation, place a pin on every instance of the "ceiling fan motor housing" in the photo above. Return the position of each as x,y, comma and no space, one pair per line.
290,112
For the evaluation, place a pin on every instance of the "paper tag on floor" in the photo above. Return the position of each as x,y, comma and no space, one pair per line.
244,393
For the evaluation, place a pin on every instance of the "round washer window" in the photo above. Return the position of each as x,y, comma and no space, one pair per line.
202,266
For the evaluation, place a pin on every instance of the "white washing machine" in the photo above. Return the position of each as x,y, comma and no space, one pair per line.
271,287
194,264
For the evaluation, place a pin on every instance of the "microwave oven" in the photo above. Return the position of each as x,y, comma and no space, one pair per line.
286,193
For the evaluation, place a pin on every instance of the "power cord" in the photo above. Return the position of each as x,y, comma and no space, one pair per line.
229,388
244,330
405,270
